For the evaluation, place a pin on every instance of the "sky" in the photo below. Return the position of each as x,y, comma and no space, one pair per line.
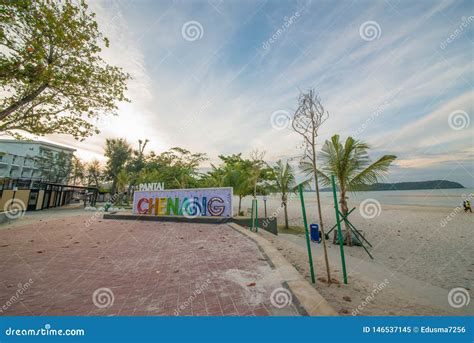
223,77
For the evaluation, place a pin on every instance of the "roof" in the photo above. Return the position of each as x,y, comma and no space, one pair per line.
36,142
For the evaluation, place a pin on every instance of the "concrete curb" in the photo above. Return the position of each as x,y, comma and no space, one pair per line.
270,225
307,297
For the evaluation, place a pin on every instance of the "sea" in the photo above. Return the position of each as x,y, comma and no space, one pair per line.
428,197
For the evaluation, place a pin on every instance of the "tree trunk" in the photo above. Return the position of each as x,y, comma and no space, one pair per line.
334,236
285,208
114,186
130,193
345,210
240,205
23,101
321,224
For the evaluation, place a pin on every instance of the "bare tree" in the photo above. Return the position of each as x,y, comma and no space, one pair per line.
256,157
308,118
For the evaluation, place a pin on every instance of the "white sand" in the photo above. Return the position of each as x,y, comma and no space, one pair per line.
419,252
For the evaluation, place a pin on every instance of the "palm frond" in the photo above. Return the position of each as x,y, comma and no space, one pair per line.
307,169
323,178
372,173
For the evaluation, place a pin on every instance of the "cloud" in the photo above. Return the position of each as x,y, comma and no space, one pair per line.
432,129
217,94
421,162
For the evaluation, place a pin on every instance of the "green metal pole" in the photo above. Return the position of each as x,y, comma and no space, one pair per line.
308,244
339,231
251,227
256,215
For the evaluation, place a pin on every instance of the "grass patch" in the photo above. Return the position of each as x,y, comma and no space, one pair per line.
292,230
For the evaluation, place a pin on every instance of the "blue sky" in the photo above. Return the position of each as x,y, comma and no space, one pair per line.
397,74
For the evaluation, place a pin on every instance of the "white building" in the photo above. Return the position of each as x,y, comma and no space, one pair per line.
27,159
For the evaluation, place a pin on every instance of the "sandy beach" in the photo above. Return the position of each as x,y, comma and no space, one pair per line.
421,252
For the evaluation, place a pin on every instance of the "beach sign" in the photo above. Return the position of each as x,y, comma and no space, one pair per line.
191,203
154,186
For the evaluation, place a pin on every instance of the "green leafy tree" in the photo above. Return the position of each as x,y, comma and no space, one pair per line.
45,164
177,168
238,174
135,166
246,177
213,178
54,166
52,77
262,174
77,171
61,167
351,166
118,152
93,173
123,179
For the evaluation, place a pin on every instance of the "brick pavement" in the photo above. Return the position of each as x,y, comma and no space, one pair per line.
84,265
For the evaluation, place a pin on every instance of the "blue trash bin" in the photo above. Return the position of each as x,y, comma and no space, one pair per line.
314,229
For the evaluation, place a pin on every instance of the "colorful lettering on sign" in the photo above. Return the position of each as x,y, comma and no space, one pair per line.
140,208
216,210
171,206
175,202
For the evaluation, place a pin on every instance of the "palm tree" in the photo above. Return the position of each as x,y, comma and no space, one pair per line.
284,183
351,166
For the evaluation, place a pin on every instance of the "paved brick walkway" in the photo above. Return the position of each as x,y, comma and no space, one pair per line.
84,265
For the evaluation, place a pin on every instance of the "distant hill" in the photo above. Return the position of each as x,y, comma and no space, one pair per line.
405,186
